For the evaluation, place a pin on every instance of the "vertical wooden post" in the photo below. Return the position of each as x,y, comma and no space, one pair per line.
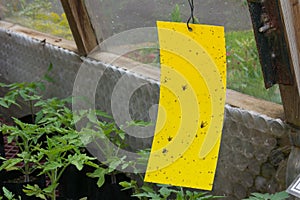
80,25
290,94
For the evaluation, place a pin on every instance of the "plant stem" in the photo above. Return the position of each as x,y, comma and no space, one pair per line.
31,110
26,162
52,177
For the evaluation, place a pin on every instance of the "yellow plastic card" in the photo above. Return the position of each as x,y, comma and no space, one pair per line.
191,108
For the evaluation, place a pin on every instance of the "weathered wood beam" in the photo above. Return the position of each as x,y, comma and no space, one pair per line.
81,26
290,94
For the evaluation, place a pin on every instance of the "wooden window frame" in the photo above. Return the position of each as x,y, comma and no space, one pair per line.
80,25
290,93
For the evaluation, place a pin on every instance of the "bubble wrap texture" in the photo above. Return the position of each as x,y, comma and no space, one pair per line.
253,154
254,149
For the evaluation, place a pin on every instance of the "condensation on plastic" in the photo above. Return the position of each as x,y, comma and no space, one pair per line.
254,149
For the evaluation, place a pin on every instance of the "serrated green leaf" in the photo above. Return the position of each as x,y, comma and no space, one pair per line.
39,103
24,95
180,195
91,164
127,185
11,164
114,164
92,117
152,196
3,103
103,114
3,84
259,195
50,188
78,160
189,193
87,137
122,135
8,194
100,174
165,192
51,166
125,165
34,190
280,195
38,117
148,189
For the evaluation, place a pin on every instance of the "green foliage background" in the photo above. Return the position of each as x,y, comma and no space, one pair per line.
41,15
244,72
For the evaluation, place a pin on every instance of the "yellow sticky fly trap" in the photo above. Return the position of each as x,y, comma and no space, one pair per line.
188,131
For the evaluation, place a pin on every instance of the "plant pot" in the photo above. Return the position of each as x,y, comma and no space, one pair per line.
75,185
14,183
28,119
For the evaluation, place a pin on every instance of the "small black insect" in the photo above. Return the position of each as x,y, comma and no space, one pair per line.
170,139
184,87
43,42
165,151
203,124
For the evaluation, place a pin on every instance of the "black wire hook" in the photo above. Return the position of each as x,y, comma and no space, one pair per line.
191,3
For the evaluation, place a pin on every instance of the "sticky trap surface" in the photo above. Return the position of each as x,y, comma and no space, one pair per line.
191,109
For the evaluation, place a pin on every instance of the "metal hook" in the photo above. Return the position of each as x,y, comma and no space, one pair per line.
191,3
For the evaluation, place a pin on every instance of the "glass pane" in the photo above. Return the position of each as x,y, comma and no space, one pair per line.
121,15
43,15
111,18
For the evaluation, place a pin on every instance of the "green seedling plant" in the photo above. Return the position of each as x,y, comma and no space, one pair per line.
25,135
25,92
66,146
277,196
164,192
63,148
102,136
53,160
51,143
